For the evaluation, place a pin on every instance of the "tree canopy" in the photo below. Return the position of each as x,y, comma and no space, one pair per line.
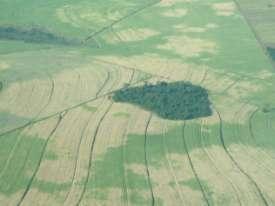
175,101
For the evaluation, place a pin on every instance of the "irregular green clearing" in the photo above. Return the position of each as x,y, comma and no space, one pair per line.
175,101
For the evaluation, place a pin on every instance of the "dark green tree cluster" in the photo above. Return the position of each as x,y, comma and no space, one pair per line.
175,101
271,52
33,35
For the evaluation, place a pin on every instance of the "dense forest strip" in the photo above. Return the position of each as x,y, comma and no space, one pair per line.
34,35
262,45
192,166
27,189
146,160
237,165
91,154
93,35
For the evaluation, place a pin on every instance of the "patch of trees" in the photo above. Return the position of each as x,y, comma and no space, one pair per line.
175,101
33,35
271,52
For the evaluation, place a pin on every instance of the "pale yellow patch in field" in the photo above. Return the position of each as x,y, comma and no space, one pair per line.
113,132
212,26
11,199
175,13
79,15
156,125
113,197
192,29
28,92
224,9
223,178
188,47
189,29
168,3
265,74
4,66
166,68
130,35
168,178
263,168
42,129
136,168
229,107
244,88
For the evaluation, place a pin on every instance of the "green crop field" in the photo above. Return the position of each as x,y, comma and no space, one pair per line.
137,102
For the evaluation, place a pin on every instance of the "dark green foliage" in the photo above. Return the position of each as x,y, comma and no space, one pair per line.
271,52
33,35
175,101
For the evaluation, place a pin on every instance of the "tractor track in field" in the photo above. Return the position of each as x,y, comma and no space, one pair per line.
146,162
170,165
49,99
124,172
82,135
253,157
203,77
192,166
11,153
77,157
65,110
103,85
11,156
129,68
236,163
252,135
91,154
93,35
209,156
41,110
123,143
251,27
27,189
37,115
